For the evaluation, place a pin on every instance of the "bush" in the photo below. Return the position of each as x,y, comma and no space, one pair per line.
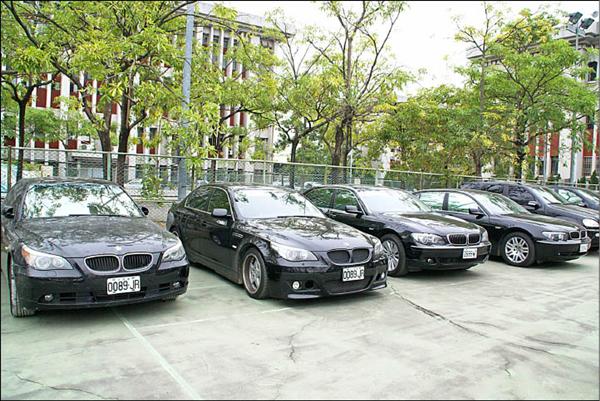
594,178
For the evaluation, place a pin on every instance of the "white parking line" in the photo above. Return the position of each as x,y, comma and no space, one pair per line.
188,390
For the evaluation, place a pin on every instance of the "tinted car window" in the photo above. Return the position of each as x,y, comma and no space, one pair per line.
68,199
519,194
219,200
549,195
199,199
263,203
320,197
460,203
344,197
434,200
498,204
391,200
495,188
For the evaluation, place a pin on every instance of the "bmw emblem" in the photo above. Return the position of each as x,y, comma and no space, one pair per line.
118,248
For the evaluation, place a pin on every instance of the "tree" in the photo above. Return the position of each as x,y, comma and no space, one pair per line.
532,83
126,46
357,56
27,68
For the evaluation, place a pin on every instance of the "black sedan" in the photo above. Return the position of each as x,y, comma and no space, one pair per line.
520,237
540,200
578,196
275,243
85,243
413,236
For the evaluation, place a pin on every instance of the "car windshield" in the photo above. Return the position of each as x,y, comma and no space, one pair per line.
590,196
391,200
264,203
78,199
549,195
498,204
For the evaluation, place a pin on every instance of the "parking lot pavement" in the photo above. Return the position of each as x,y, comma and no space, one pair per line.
491,332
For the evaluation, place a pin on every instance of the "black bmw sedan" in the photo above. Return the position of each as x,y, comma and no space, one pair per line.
85,243
544,201
413,236
275,243
578,196
520,237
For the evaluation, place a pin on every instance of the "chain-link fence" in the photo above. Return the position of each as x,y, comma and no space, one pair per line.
152,179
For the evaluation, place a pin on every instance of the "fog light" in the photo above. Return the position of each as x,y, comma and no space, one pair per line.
48,298
296,285
381,276
430,261
176,284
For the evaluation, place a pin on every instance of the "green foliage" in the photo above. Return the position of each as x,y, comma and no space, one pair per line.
594,178
582,180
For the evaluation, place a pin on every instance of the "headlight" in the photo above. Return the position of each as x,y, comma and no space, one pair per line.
484,236
556,236
378,252
428,239
44,261
590,223
292,254
174,253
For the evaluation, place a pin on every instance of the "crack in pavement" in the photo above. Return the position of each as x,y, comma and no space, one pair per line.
57,388
291,340
550,342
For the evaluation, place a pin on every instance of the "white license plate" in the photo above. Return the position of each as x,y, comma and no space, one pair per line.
583,247
469,253
120,285
353,273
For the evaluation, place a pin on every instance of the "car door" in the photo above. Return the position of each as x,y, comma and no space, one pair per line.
219,245
344,197
194,234
321,198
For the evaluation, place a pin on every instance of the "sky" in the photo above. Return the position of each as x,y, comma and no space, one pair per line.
423,37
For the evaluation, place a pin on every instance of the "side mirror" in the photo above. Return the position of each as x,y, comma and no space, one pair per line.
533,204
8,212
352,209
219,213
475,211
145,210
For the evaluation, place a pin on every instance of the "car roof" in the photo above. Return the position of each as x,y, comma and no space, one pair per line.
238,186
355,187
470,191
61,180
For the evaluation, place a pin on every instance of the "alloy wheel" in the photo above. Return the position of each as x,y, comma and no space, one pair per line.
516,250
390,249
253,273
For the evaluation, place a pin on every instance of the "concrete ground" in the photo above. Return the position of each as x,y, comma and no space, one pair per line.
492,332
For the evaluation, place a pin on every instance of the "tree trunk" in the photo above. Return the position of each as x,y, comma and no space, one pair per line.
521,154
293,160
124,132
22,111
336,156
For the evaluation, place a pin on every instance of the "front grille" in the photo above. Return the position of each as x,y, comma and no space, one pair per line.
360,255
339,256
102,263
340,287
457,239
575,235
474,238
137,261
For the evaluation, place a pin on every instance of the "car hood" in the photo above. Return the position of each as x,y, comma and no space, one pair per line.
430,222
83,236
574,212
311,233
545,223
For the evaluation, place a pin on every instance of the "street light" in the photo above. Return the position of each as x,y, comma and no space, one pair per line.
577,27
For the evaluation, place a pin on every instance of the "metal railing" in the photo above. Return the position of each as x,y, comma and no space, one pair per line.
153,178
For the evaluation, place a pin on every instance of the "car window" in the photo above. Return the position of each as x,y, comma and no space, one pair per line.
434,200
519,194
219,200
460,203
270,203
497,204
496,188
343,197
569,196
199,199
386,200
320,197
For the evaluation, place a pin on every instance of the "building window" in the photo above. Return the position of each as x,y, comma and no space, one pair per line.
554,165
587,166
205,39
593,65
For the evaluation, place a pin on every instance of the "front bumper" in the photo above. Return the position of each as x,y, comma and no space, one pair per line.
319,282
88,291
448,257
595,237
556,251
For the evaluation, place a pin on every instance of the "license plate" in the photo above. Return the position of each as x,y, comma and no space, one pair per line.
583,247
353,273
120,285
469,253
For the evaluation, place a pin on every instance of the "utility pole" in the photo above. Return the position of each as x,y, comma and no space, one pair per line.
187,78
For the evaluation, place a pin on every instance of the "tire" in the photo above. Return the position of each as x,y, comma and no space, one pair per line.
518,249
16,309
254,274
396,255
